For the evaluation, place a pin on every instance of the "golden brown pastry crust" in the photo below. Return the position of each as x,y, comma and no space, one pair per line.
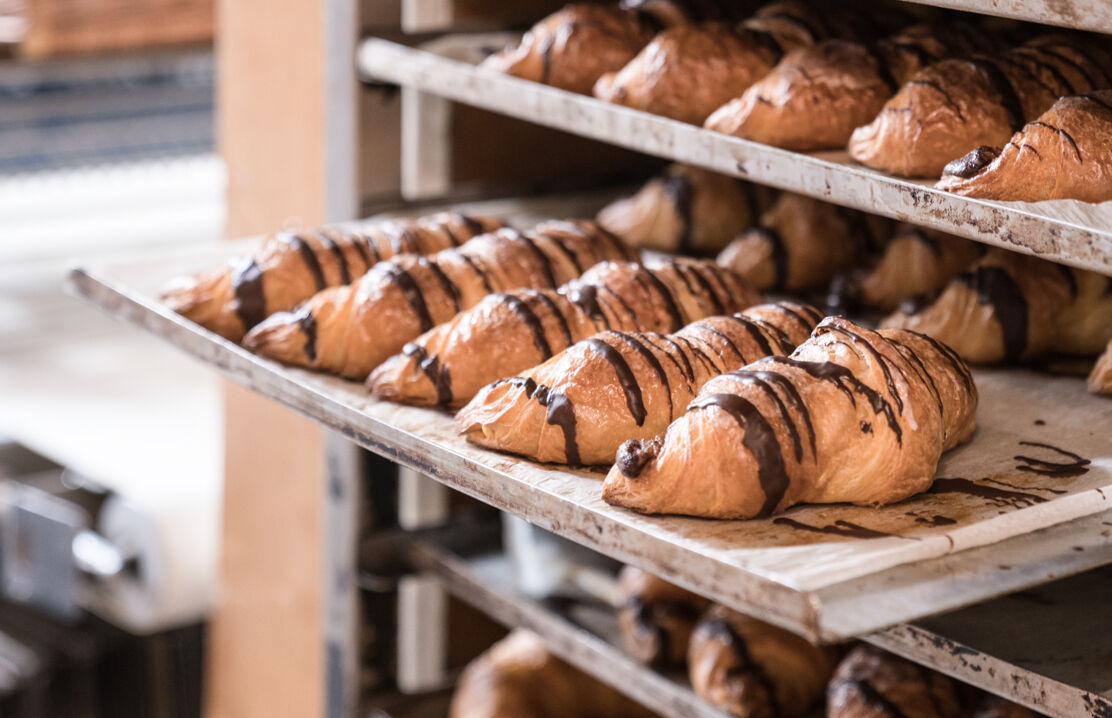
574,46
801,243
870,682
688,210
1010,307
753,670
1064,154
518,678
291,266
656,618
509,332
1100,380
351,330
580,406
915,262
852,416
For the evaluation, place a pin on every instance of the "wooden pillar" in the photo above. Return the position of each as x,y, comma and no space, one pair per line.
279,67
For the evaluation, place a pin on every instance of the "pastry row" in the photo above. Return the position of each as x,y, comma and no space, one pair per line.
1000,113
737,663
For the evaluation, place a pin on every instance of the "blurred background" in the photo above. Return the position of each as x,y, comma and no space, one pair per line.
106,147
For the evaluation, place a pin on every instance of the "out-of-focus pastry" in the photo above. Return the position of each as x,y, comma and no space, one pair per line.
915,262
957,105
1064,154
508,332
817,95
518,678
291,266
687,210
990,706
688,71
574,46
1100,380
581,405
802,243
1010,307
851,416
871,682
352,329
656,618
750,669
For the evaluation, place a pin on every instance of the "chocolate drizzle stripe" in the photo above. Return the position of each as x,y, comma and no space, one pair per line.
359,241
669,298
430,366
477,268
247,284
650,358
567,251
763,380
1004,89
309,257
698,354
1061,133
634,400
412,293
951,356
338,254
543,261
910,355
758,380
881,361
307,323
779,252
677,188
530,319
708,287
714,332
721,629
871,697
997,289
760,440
755,332
684,372
565,328
445,282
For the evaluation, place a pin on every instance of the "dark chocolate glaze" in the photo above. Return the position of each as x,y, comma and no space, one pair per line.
564,249
871,697
935,520
881,360
685,369
307,323
951,356
436,373
565,328
791,394
665,293
412,293
1076,466
754,330
779,252
942,91
309,257
338,254
677,188
1003,88
364,246
1000,497
1061,133
722,337
910,355
708,288
996,288
445,282
760,440
971,163
634,400
635,454
529,318
838,528
721,629
1077,67
699,354
654,363
477,268
764,380
560,412
247,283
543,260
585,296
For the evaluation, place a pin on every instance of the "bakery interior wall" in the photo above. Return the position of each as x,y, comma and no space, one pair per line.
107,149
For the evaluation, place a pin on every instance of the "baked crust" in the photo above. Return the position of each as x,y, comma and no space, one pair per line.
870,681
1100,379
656,618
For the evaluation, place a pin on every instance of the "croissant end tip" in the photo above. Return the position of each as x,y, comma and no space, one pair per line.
279,337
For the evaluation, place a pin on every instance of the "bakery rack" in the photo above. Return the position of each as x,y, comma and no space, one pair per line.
927,603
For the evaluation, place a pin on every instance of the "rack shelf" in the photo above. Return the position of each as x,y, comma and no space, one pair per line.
1057,231
1093,15
1048,649
804,576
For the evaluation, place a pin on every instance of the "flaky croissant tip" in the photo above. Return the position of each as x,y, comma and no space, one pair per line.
279,337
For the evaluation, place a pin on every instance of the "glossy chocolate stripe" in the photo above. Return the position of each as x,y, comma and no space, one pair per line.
474,263
557,313
910,355
791,394
247,284
567,251
881,360
651,336
666,294
722,630
559,411
530,319
760,380
359,241
309,257
714,332
1062,133
997,289
543,260
338,254
650,358
698,354
431,367
717,298
951,356
874,699
677,188
1077,66
412,293
634,400
760,440
1002,86
445,281
754,331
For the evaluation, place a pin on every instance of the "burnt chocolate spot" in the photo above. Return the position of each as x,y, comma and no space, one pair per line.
971,163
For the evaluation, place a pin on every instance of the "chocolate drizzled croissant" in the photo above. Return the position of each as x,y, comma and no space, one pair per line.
956,105
1010,307
518,677
686,210
1064,154
871,682
851,416
726,59
656,618
915,262
801,243
291,266
1100,379
572,47
817,95
509,332
750,669
351,330
619,386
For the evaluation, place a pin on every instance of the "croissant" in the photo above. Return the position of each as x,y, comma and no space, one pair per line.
350,330
620,386
956,105
509,332
518,678
817,95
1010,307
1100,380
572,47
291,266
870,682
851,416
688,210
801,243
725,58
750,669
1064,154
656,618
915,262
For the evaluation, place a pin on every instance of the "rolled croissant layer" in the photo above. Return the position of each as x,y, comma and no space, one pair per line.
656,618
870,681
851,416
